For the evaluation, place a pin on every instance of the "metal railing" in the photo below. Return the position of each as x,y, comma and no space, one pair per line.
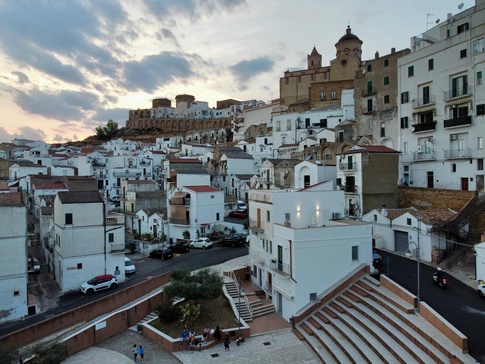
463,120
457,153
457,92
424,101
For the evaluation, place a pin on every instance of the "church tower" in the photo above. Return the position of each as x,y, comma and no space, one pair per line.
314,59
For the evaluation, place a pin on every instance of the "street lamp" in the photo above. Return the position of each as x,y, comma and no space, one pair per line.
242,292
417,260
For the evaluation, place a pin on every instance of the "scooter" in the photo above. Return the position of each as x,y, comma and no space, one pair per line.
439,281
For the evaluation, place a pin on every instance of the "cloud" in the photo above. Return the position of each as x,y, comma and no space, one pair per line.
246,70
5,136
21,77
26,132
155,71
167,34
117,114
65,105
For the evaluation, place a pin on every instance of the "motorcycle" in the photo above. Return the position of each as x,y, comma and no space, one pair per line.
440,281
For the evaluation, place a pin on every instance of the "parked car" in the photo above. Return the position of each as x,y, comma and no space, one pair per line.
98,283
180,247
241,205
481,288
129,266
231,240
376,259
33,265
164,254
201,243
240,214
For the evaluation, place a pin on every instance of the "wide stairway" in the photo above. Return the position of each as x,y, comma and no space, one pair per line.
366,323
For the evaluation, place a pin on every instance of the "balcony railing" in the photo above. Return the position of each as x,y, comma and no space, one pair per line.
280,268
457,153
256,225
126,174
458,92
463,120
178,221
347,166
424,101
116,248
98,164
350,188
424,127
421,156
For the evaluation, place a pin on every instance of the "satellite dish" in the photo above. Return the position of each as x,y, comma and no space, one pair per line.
437,21
460,6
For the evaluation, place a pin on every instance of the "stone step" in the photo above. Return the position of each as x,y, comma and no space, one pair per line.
263,310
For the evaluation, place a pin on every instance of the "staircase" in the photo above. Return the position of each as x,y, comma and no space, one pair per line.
241,303
261,308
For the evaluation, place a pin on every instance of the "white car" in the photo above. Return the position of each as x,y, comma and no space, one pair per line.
481,288
129,266
98,283
241,205
202,243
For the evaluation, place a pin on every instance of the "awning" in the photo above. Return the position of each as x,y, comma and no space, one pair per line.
458,102
178,198
424,110
283,292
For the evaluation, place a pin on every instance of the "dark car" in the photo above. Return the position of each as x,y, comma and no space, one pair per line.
180,247
232,240
157,254
240,214
376,259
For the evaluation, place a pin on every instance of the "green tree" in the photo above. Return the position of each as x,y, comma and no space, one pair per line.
167,312
205,284
108,131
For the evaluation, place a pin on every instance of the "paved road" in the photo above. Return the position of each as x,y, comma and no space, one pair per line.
458,303
195,259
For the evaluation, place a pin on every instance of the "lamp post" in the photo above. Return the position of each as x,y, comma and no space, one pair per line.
417,260
242,292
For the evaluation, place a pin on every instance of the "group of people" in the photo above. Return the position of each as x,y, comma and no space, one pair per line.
137,351
190,339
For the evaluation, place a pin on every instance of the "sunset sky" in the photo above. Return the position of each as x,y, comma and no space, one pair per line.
69,66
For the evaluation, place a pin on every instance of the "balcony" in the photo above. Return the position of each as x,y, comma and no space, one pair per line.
369,91
98,164
280,268
350,188
424,127
126,173
460,121
256,225
178,221
425,101
457,93
424,156
457,153
116,248
347,166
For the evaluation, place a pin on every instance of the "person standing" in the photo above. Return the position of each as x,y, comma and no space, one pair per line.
217,333
142,353
226,342
135,352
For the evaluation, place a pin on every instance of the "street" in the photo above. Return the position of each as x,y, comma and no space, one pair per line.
459,304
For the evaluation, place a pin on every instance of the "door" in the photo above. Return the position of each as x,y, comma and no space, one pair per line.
155,232
279,299
464,183
400,241
430,176
260,277
280,258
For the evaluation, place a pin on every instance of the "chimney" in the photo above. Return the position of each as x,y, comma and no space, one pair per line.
393,50
376,55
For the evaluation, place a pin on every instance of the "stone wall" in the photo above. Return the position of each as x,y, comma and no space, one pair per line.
429,198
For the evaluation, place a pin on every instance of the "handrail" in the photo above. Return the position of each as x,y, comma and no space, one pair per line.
238,283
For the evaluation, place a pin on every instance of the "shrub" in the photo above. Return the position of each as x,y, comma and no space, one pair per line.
167,312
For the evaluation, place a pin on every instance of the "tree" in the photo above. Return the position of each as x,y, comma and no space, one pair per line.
190,314
108,131
205,284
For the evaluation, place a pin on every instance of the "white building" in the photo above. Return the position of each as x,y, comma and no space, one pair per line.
442,104
298,249
309,173
13,260
194,210
85,244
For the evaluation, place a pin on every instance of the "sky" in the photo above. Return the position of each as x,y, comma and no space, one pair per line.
69,66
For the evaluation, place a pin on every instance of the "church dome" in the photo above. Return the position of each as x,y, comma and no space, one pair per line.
349,36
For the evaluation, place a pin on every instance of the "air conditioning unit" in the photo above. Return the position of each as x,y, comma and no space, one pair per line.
420,150
430,139
336,215
453,137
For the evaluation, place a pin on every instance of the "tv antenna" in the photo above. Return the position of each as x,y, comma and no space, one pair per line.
427,20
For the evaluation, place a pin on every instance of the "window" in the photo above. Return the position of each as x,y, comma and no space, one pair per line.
323,96
375,218
270,247
307,122
264,243
459,86
111,237
68,219
404,97
323,123
386,99
383,130
481,109
430,64
409,222
405,150
426,98
255,272
287,216
453,167
369,68
79,265
386,63
462,28
355,253
463,53
341,136
479,143
425,117
217,216
312,77
480,164
479,45
288,124
386,80
410,71
479,78
333,95
16,293
268,216
278,125
369,87
369,105
404,122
